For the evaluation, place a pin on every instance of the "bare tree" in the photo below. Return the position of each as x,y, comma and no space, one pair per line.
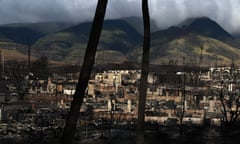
40,67
144,74
85,73
230,101
17,71
180,112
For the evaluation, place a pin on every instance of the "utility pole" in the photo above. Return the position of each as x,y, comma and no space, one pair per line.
3,61
199,64
29,56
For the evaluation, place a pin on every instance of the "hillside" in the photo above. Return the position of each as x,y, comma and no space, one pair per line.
213,52
198,41
42,27
16,35
189,49
206,27
19,35
13,55
137,23
69,44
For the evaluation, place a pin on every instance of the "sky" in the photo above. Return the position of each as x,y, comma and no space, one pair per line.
165,12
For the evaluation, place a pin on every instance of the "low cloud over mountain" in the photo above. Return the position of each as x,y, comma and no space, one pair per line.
165,12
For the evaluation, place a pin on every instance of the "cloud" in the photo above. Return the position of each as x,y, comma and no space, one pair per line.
165,12
12,11
170,12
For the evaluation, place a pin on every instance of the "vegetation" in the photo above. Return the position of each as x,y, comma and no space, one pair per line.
16,70
65,42
229,95
20,35
117,35
189,46
40,68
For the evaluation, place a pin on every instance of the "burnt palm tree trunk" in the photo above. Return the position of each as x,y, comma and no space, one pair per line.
144,74
85,73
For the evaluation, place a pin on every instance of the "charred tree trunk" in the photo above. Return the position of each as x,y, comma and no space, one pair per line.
144,74
89,58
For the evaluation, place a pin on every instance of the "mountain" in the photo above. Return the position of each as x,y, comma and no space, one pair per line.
16,39
42,27
196,42
69,44
206,27
192,49
116,34
29,33
137,23
19,35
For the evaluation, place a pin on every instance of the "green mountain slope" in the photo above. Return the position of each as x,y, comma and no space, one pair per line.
28,33
189,49
20,35
42,27
137,23
70,44
207,27
199,41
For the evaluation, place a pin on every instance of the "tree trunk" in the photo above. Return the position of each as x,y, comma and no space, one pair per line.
89,58
144,74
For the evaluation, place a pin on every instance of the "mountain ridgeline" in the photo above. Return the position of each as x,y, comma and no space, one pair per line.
19,35
197,42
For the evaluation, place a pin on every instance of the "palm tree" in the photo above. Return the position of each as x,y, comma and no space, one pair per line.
144,74
84,75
